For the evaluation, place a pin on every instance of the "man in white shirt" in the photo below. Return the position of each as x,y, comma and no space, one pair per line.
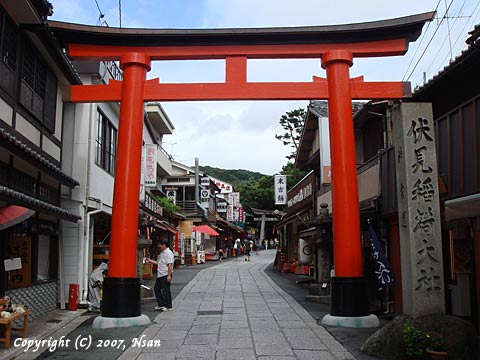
164,276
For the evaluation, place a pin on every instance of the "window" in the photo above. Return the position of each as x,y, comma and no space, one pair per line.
9,43
38,89
8,52
105,143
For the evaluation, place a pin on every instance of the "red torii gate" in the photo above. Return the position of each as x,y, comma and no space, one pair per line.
336,46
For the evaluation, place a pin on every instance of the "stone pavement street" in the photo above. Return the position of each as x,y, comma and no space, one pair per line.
235,311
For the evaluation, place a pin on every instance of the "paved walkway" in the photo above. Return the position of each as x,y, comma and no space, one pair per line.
235,311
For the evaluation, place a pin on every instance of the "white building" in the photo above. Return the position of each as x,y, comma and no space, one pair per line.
89,155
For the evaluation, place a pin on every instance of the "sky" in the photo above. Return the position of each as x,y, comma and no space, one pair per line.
241,134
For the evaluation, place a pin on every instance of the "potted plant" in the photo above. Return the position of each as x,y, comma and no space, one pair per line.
415,340
437,349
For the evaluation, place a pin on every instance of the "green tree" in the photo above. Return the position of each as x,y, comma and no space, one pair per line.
294,175
168,206
292,123
257,194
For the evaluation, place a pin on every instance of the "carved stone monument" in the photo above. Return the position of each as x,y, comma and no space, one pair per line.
418,209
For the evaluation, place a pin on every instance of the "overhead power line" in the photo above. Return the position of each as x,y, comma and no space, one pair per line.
429,42
420,43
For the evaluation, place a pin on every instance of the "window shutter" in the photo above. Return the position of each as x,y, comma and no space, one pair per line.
50,103
28,74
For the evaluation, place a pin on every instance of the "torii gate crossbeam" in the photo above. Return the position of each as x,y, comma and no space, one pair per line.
336,46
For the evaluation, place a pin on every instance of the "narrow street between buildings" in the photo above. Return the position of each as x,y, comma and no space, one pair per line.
230,310
235,311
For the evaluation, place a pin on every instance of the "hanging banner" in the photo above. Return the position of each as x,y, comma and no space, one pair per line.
280,189
150,165
234,199
230,213
383,271
142,177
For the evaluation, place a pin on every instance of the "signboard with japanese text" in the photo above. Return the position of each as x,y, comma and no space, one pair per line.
280,189
172,196
142,178
205,198
234,199
150,165
230,213
224,187
222,207
301,195
205,182
418,209
20,247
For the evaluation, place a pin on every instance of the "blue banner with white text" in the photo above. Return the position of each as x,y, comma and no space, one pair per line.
383,269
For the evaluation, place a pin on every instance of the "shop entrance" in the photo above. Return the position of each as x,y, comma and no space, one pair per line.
335,46
460,279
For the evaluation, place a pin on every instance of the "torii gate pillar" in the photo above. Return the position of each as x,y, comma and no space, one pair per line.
349,296
121,289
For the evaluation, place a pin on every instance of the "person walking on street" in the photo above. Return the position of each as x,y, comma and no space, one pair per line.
248,249
164,276
237,247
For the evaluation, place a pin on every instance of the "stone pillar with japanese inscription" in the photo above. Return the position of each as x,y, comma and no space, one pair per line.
418,209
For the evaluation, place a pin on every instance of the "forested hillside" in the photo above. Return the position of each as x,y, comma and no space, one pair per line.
256,190
232,176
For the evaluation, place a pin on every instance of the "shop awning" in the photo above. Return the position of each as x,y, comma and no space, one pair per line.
169,227
464,207
12,215
205,229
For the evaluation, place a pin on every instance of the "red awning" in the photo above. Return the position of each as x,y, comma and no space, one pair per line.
205,229
12,215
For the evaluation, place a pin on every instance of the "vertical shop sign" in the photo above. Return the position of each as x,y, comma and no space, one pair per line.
418,209
205,182
20,247
280,189
142,177
150,165
205,198
230,213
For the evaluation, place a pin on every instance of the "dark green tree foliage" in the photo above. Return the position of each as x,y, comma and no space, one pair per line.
293,174
260,193
234,177
257,194
292,123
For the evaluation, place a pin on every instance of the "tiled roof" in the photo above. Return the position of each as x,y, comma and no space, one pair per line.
32,154
35,204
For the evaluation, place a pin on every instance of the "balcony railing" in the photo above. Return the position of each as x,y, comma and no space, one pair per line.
188,206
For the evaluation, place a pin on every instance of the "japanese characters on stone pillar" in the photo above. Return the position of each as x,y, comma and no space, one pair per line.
418,209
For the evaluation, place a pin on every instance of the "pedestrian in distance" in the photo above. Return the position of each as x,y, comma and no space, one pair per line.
95,284
237,247
164,276
220,254
248,249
